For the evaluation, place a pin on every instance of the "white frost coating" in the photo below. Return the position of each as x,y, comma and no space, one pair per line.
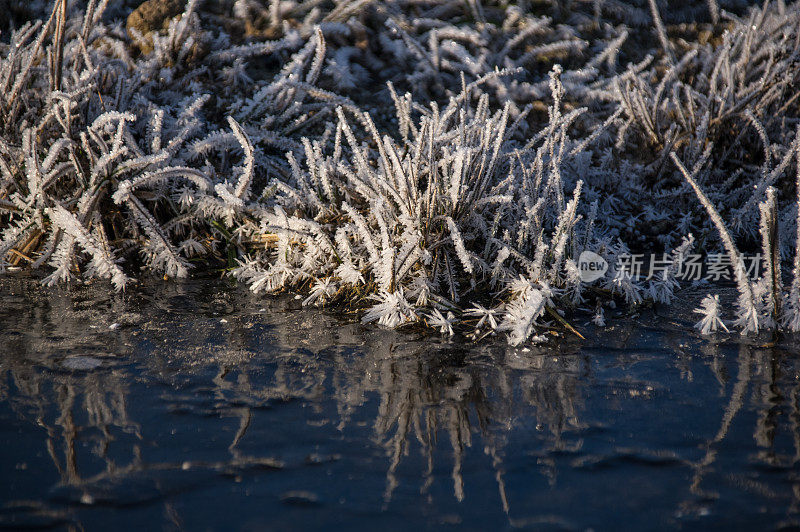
128,154
710,310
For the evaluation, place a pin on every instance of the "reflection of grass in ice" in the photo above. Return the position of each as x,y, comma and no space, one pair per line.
423,391
431,398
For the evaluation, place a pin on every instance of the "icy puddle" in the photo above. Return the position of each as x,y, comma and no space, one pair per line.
198,406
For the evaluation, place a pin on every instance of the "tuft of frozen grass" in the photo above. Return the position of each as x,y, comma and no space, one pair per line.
99,153
435,214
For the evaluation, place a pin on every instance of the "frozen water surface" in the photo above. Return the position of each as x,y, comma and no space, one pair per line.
198,406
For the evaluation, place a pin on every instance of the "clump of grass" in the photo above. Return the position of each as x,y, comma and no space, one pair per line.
260,140
453,209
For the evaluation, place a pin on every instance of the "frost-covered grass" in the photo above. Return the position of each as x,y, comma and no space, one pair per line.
435,162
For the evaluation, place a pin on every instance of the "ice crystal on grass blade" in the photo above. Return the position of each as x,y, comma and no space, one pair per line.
487,316
321,291
662,288
437,320
521,314
710,310
623,283
391,311
103,264
599,318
